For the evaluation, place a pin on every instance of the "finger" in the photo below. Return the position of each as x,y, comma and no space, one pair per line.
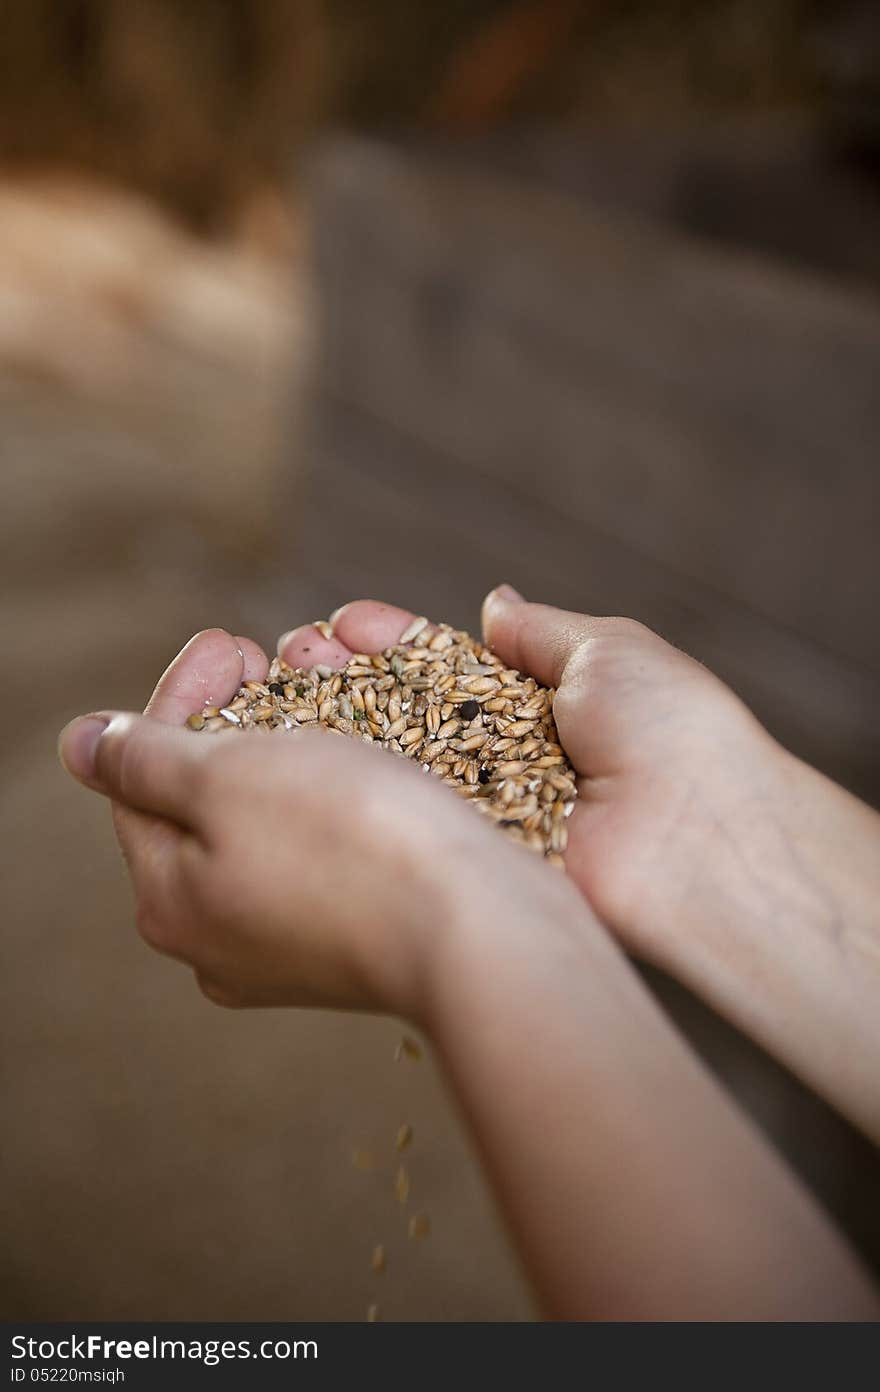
368,626
207,672
534,638
255,663
306,647
142,763
213,991
209,669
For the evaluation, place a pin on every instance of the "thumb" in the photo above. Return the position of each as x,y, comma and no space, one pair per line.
136,761
534,638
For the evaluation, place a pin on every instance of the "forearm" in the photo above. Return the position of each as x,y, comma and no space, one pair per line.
781,931
633,1189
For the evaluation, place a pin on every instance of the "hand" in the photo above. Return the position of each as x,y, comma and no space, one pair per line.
665,751
287,869
705,846
314,870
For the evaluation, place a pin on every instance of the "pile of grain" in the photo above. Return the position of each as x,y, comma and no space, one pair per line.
442,698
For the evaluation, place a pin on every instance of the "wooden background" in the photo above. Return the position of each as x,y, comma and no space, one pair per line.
517,383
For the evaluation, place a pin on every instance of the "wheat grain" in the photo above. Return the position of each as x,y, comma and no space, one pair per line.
442,699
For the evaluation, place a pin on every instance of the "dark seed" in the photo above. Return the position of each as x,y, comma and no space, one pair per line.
470,710
483,776
277,688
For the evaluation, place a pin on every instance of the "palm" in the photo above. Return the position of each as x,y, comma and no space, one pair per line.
647,729
652,734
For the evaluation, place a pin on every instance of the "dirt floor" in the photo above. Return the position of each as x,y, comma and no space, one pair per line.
165,1159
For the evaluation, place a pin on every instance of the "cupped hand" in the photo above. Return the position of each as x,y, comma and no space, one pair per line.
289,869
669,758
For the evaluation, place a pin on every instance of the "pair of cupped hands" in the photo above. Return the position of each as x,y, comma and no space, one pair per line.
317,871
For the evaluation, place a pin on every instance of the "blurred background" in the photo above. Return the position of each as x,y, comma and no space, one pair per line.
301,301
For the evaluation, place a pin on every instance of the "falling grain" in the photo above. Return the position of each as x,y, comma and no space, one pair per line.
401,1185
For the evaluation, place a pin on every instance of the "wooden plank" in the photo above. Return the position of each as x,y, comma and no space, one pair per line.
715,413
395,503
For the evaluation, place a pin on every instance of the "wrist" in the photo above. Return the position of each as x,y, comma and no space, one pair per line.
777,928
508,922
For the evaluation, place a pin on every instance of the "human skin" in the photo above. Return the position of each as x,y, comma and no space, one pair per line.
706,847
285,872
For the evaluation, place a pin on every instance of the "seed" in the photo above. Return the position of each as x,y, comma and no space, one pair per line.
419,1225
509,768
558,838
401,1185
404,1137
377,1261
472,742
529,746
408,1048
412,630
414,700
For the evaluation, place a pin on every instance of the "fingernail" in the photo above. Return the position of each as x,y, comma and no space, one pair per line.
337,613
508,594
78,742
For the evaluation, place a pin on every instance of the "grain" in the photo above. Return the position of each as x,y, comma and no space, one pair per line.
408,1048
413,630
419,1225
401,1185
443,700
378,1261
